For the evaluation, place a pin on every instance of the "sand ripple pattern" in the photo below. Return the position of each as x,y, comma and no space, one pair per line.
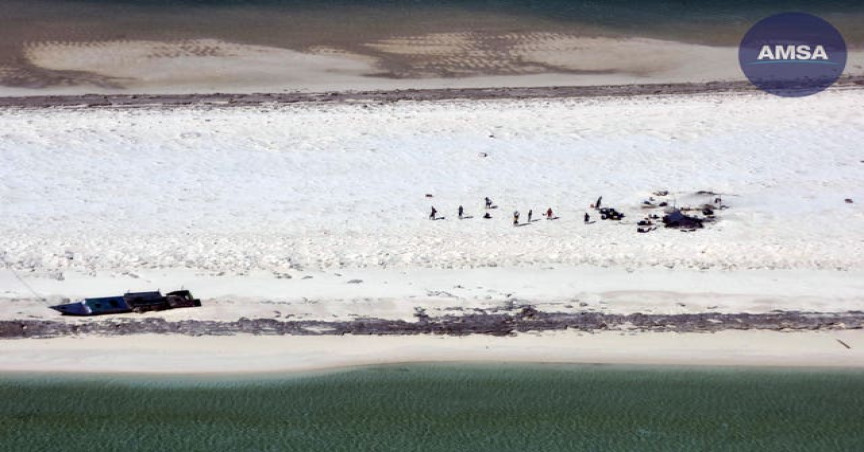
200,63
471,54
132,64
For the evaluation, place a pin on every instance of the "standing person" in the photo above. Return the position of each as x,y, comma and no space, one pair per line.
515,218
488,203
434,213
530,214
597,204
587,218
549,214
460,212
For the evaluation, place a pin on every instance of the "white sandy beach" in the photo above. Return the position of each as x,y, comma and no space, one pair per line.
320,212
328,295
258,354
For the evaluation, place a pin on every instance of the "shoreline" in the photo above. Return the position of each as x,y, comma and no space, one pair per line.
256,355
386,96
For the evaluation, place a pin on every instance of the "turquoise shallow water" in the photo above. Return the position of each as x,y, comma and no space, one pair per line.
447,408
301,23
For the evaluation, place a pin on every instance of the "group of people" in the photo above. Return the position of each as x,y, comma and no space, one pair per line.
550,215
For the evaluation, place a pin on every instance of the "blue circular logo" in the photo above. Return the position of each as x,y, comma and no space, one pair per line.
792,54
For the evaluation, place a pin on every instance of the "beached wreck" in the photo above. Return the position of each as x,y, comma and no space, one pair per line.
130,302
676,219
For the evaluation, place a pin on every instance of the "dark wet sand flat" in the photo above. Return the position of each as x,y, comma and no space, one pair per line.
275,46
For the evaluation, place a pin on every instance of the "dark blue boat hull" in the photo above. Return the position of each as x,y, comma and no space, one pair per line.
129,302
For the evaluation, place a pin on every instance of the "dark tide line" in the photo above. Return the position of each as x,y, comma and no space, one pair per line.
498,322
384,96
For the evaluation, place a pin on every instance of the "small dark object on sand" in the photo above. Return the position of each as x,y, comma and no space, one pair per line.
609,213
528,312
849,201
428,195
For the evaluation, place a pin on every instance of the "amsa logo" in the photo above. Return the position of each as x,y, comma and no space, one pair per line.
792,53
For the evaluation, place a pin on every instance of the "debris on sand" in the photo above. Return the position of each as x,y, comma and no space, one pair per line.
527,319
609,213
676,219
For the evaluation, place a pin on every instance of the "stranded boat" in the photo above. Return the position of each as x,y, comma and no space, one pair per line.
130,302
